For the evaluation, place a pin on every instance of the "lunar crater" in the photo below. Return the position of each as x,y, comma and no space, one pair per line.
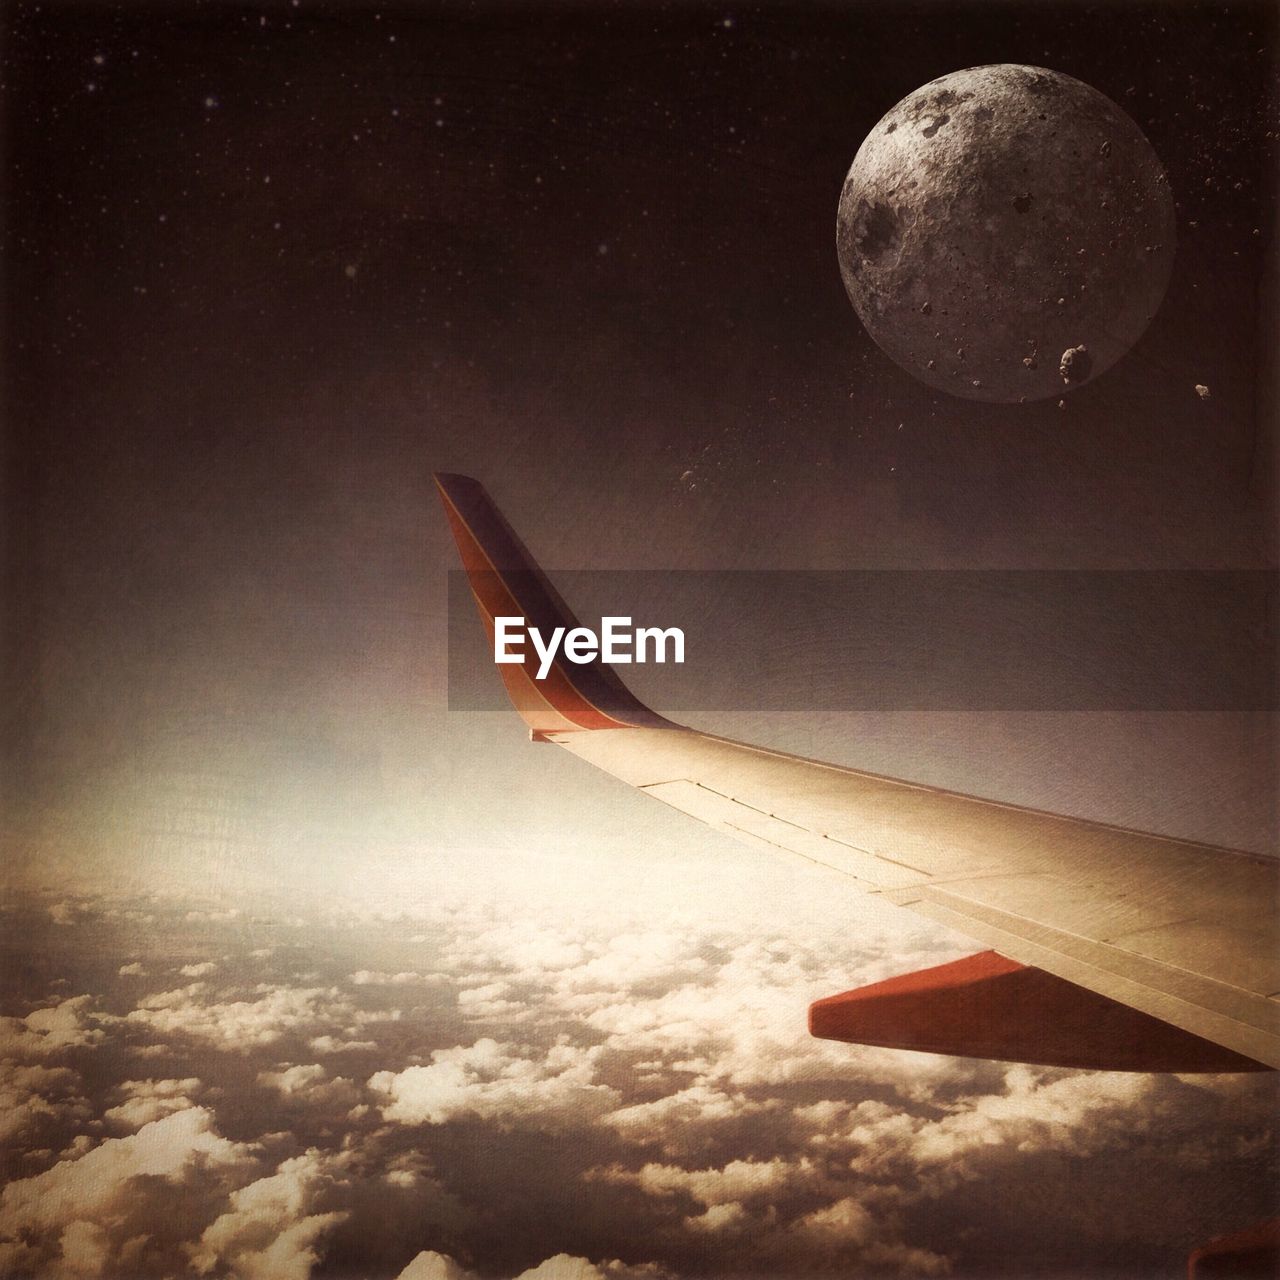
878,231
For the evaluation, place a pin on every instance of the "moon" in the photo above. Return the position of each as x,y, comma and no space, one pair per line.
1006,233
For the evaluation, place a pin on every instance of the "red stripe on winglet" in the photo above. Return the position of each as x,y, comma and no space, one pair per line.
506,581
495,599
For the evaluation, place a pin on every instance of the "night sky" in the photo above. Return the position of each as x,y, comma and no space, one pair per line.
268,268
265,269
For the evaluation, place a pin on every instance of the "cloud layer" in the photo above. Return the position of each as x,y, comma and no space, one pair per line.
450,1094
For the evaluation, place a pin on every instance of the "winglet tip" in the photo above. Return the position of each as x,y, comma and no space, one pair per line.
447,480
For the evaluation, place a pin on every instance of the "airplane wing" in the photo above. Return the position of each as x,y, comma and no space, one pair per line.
1107,947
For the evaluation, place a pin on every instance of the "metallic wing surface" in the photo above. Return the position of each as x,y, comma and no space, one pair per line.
1106,947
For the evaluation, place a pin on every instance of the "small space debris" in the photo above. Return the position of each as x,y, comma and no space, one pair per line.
1202,391
1075,364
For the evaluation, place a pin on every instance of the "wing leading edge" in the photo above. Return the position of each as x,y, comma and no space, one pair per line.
1186,936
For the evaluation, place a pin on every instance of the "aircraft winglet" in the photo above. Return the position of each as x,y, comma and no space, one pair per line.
507,582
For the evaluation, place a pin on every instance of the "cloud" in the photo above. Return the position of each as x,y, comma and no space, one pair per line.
70,1024
148,1100
565,1267
338,1044
566,1091
204,968
292,1080
33,1098
688,1118
269,1231
1036,1110
489,1003
409,1169
132,970
310,1084
85,1248
429,1265
406,978
243,1025
847,1227
723,1219
497,1082
108,1183
737,1181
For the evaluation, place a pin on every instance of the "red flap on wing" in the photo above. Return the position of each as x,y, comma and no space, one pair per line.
987,1006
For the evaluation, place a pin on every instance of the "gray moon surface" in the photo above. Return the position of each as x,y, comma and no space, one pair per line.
1006,233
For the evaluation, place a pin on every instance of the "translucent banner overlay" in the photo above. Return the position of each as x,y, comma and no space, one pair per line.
1008,640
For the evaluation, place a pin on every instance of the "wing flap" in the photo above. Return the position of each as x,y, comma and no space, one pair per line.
736,819
1245,1023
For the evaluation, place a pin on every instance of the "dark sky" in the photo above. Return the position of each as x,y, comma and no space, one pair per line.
268,267
427,988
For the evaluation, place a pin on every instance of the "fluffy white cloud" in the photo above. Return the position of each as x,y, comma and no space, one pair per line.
409,1169
85,1248
671,1066
565,1267
132,970
339,1044
296,1079
310,1084
243,1025
684,1120
33,1097
1035,1110
201,970
405,978
270,1231
737,1182
70,1024
497,1082
526,947
429,1265
848,1227
148,1100
726,1219
100,1187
